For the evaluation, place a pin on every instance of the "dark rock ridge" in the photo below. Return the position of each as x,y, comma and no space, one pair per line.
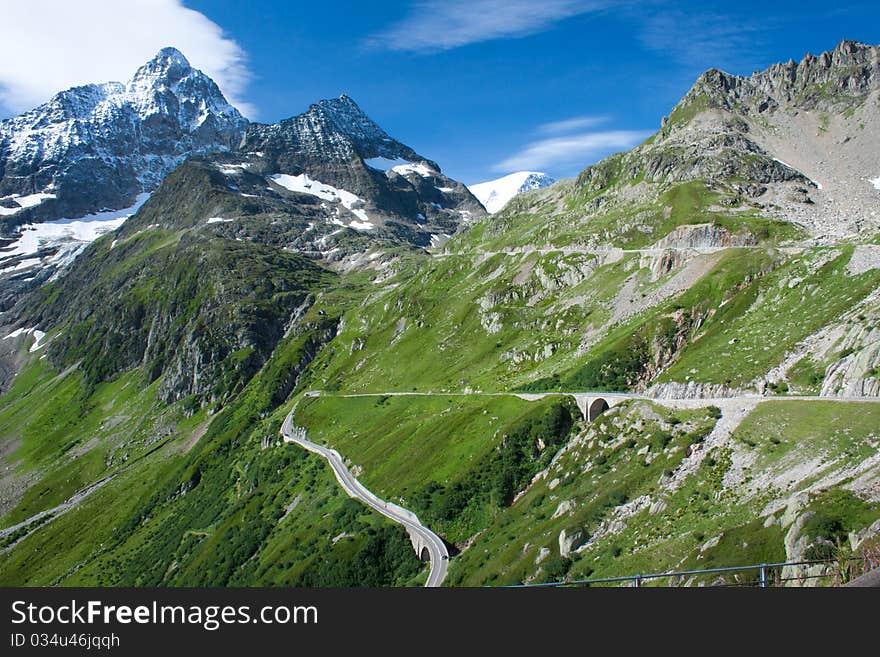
334,130
98,146
400,195
826,81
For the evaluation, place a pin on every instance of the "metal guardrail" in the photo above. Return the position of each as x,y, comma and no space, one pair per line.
762,571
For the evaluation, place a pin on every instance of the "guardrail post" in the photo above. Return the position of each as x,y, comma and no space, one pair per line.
637,581
763,576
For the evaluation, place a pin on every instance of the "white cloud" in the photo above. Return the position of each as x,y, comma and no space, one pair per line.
577,150
47,46
570,125
703,40
435,25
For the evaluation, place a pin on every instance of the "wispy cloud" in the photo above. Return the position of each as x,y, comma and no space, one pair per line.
693,37
47,46
564,153
436,25
703,40
570,125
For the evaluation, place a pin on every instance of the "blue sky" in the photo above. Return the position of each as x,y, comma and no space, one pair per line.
486,87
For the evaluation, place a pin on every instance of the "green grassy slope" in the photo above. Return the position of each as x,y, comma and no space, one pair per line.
225,512
545,321
612,489
622,212
455,461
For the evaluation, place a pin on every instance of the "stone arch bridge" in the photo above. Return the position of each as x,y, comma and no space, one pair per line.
591,404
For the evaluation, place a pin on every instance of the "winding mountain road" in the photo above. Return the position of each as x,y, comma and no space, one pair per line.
437,552
684,402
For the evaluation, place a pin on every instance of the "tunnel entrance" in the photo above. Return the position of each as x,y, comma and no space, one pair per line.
425,555
596,408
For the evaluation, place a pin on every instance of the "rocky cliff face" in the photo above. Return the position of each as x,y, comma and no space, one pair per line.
828,81
97,147
798,141
331,131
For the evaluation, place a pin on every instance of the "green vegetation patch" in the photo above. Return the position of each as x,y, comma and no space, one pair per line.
454,460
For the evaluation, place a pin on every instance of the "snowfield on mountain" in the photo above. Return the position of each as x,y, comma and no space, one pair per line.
495,194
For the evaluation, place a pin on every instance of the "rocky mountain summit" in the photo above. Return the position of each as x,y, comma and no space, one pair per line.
333,130
96,147
818,123
796,143
326,185
343,182
830,81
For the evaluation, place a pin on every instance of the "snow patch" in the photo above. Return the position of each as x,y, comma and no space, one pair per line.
72,235
29,201
385,164
439,240
233,169
305,185
38,338
219,220
24,264
875,182
37,333
421,169
18,332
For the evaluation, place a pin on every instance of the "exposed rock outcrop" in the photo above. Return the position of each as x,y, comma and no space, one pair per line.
695,390
569,541
856,374
704,236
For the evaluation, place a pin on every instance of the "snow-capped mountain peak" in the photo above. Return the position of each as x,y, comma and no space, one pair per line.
168,65
96,147
495,194
167,85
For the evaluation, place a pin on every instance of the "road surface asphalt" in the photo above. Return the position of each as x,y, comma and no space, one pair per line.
437,551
